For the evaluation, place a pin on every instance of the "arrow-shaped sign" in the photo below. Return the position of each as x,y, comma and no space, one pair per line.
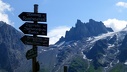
31,16
31,28
40,41
31,53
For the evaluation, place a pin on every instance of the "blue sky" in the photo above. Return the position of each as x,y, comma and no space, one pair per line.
63,14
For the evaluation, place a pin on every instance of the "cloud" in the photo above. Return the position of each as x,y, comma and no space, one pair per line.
4,7
121,4
115,24
56,33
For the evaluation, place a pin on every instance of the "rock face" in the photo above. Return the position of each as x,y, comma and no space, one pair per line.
82,30
123,50
11,48
89,47
102,53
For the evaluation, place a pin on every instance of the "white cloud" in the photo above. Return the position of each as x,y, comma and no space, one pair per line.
115,24
56,33
4,7
121,4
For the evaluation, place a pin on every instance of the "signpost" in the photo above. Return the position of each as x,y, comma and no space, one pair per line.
31,16
31,28
34,28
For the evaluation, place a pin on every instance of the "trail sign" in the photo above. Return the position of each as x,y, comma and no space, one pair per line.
31,53
31,16
34,28
40,41
31,28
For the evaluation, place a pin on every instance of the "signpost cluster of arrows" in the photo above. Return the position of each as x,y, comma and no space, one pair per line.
35,29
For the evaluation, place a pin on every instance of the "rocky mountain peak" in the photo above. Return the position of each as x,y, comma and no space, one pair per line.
91,20
79,23
1,23
82,30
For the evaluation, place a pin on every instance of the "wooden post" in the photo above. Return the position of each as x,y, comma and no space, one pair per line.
65,69
34,65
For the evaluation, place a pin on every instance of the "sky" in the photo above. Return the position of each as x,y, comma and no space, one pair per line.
63,14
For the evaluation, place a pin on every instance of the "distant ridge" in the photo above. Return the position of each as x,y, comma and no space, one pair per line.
82,30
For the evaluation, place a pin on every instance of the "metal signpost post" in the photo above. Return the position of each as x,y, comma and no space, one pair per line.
34,28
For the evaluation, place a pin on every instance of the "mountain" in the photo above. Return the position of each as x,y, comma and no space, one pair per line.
89,29
87,47
12,50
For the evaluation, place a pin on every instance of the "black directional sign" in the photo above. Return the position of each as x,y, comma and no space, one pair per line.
40,41
31,53
31,16
31,28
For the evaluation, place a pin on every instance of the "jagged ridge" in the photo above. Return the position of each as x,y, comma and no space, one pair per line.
82,30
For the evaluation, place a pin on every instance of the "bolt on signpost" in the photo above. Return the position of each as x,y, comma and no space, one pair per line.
34,28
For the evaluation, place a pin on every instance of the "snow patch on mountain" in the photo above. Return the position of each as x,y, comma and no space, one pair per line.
110,46
60,44
125,63
124,29
103,36
84,56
